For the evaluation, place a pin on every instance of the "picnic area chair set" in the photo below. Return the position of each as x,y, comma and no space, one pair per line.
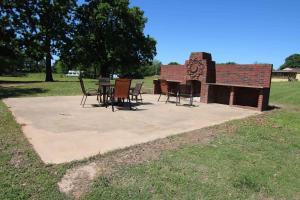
119,91
122,91
174,88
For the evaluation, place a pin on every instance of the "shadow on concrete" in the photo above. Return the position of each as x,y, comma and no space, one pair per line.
6,92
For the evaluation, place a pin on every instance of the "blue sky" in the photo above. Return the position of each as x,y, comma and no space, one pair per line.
243,31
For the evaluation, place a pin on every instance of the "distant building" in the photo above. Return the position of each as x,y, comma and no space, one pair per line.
297,70
287,74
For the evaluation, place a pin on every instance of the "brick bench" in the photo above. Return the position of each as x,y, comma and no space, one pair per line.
253,97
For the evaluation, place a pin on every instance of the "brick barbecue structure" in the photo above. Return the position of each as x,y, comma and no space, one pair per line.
236,85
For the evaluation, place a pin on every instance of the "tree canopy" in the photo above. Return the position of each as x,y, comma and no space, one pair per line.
9,52
293,61
109,36
173,63
41,26
106,35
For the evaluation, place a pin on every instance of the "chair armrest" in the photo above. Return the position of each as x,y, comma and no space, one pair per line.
92,89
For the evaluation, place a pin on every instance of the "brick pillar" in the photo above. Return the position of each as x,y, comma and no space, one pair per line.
263,99
232,97
204,93
260,100
156,84
207,93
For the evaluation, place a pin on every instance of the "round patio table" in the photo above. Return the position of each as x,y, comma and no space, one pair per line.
105,88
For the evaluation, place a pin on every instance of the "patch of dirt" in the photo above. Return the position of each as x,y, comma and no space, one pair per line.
263,196
16,159
77,181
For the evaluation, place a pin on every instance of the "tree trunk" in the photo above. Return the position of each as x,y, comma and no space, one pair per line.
104,71
49,77
95,72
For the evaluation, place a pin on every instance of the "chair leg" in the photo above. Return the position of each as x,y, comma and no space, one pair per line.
98,98
159,97
82,99
168,97
112,104
129,103
141,97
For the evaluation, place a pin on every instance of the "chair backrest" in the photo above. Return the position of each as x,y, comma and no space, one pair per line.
104,80
138,88
82,85
185,88
164,87
122,88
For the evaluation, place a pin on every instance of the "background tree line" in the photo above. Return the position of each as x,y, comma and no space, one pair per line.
99,36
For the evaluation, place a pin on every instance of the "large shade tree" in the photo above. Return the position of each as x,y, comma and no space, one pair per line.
293,61
41,26
110,35
9,52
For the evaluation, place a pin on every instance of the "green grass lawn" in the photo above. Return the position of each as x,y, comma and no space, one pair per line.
259,159
34,85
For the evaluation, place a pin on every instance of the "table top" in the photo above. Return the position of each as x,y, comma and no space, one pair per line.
169,80
174,81
106,84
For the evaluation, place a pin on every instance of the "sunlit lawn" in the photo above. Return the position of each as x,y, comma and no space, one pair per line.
260,159
34,85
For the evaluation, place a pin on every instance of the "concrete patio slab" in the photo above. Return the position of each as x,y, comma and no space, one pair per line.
60,130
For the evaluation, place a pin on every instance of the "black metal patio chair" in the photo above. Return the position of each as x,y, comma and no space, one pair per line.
136,92
88,92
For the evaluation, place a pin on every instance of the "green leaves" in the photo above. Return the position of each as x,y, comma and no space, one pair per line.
42,27
110,34
107,34
293,61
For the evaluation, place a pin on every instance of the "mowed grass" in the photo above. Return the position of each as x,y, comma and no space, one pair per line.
23,175
34,85
258,159
286,93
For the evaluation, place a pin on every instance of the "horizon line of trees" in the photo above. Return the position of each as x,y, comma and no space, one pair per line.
103,37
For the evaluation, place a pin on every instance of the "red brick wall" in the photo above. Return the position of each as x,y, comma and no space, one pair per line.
251,75
173,72
256,75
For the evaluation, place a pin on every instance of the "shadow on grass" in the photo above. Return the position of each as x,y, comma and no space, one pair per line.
6,92
273,107
29,82
18,82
